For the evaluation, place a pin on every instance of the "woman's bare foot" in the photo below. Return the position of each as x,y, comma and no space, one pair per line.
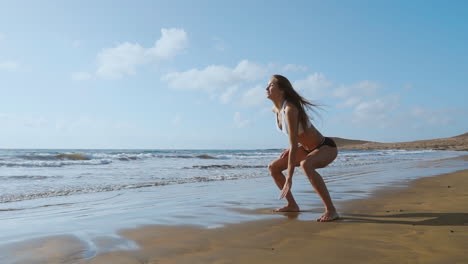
287,208
328,216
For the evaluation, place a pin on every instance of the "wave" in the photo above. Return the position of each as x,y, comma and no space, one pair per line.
29,177
226,166
73,156
52,156
68,191
182,156
35,207
8,198
67,159
46,164
205,156
33,158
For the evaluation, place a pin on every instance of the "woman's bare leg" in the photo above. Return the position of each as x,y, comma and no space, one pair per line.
319,159
319,185
276,170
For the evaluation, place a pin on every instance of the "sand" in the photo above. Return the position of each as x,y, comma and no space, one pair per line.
426,222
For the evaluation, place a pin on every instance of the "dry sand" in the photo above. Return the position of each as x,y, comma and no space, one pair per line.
424,223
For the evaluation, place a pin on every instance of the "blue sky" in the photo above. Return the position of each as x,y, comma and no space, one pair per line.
180,74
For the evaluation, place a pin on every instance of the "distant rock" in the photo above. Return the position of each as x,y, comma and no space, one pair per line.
462,135
346,142
459,143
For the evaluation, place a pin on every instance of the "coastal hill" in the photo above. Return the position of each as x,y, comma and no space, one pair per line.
459,142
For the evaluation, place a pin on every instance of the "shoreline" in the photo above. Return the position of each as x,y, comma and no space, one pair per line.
423,222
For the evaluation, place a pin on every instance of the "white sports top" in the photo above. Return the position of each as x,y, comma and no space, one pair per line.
284,123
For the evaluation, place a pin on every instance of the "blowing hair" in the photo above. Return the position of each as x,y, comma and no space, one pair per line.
297,100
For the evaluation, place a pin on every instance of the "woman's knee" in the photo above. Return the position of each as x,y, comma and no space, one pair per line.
275,166
308,164
271,166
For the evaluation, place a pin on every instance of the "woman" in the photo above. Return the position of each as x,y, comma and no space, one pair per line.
308,148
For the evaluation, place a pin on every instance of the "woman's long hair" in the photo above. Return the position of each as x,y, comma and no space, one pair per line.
292,96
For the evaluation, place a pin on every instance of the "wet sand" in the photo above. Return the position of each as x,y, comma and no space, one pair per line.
427,222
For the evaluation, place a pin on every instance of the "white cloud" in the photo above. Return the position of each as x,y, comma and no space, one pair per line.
81,76
211,78
315,85
350,102
24,121
9,65
121,60
227,95
436,117
363,88
294,68
249,71
376,112
254,96
126,57
219,81
386,111
355,93
172,42
215,77
223,83
239,122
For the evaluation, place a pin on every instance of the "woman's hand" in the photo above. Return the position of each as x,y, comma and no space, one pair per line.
286,188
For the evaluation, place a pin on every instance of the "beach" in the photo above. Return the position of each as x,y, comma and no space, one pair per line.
422,220
424,223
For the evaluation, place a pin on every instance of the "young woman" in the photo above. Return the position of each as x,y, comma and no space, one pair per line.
308,148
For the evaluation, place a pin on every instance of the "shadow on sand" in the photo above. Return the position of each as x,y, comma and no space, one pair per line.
430,219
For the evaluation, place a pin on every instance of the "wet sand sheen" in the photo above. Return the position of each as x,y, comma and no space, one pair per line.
424,223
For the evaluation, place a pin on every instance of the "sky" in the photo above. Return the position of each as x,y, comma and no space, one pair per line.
192,74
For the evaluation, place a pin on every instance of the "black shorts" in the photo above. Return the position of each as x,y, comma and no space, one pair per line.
325,142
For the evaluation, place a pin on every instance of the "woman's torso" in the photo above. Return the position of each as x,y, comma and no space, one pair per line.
309,137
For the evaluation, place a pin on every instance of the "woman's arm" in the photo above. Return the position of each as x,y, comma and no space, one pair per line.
292,117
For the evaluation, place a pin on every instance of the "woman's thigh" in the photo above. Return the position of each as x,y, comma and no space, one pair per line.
320,157
282,163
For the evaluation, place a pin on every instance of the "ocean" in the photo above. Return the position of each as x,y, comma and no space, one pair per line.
93,194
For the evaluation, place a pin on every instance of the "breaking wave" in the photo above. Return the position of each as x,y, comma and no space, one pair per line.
66,191
225,166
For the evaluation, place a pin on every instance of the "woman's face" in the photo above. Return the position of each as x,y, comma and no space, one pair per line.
273,91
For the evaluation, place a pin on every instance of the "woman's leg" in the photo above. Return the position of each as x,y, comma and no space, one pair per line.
320,158
276,169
